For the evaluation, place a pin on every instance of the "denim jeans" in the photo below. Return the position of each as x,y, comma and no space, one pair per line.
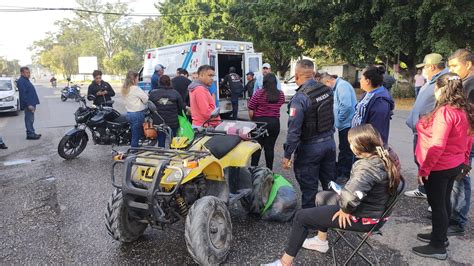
417,90
314,161
29,120
235,106
162,137
136,120
461,199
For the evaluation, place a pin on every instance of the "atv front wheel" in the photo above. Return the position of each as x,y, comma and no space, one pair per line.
208,231
118,221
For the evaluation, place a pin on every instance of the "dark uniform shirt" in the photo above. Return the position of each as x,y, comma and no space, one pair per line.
235,84
94,88
180,84
298,105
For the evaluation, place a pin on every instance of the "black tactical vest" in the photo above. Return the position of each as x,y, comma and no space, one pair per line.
319,117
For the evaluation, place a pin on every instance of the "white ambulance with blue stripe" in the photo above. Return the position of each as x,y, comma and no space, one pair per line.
217,53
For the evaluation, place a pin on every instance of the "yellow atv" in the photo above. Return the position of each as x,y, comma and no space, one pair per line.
160,187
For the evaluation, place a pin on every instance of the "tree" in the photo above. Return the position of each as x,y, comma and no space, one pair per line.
141,36
189,20
60,59
9,67
362,32
122,62
274,29
110,28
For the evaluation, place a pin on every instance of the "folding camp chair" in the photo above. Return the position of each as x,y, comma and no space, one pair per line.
364,236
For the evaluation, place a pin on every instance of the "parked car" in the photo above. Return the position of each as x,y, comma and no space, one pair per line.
289,88
9,98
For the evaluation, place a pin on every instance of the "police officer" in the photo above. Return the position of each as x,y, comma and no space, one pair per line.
310,134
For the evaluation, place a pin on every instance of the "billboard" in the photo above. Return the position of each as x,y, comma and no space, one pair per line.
87,64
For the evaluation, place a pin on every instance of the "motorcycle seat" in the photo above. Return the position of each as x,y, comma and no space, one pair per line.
121,120
220,145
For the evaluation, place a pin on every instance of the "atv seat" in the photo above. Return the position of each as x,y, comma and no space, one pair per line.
220,145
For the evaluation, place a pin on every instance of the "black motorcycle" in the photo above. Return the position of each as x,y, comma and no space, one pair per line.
106,125
71,92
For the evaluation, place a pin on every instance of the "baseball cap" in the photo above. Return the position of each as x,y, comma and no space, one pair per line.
250,73
159,67
431,59
266,65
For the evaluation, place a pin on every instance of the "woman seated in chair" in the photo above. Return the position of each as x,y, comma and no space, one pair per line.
362,201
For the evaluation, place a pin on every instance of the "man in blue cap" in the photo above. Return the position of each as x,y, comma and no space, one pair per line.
155,78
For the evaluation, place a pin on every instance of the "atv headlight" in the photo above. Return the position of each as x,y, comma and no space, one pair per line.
7,99
175,176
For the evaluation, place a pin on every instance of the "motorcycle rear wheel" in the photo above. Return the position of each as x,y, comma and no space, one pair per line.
71,146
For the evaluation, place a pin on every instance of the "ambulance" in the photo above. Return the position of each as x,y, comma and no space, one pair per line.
221,54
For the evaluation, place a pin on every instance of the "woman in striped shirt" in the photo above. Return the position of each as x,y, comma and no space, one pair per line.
264,106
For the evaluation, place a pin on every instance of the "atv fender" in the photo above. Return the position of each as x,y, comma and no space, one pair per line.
240,155
209,167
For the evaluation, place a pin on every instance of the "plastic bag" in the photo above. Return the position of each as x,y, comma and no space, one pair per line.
282,202
185,128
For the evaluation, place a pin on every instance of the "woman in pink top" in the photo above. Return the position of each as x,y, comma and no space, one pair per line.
419,82
444,143
264,106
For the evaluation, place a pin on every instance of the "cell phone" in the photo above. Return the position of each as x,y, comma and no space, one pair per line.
334,186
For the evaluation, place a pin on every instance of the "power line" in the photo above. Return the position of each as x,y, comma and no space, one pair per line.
17,9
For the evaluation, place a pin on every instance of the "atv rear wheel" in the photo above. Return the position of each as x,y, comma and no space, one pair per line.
262,182
208,231
118,221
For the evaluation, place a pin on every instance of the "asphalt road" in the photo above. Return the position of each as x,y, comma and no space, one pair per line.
53,210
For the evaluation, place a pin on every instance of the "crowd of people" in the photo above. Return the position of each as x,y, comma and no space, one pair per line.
441,120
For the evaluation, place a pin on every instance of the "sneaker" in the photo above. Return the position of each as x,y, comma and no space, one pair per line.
427,239
275,263
315,243
429,251
3,146
415,194
429,209
455,230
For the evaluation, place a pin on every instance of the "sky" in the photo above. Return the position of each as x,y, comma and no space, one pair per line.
20,30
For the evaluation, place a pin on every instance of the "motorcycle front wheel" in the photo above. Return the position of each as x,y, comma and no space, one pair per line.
71,146
63,98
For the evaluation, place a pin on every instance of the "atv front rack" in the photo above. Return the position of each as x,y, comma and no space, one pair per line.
153,193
